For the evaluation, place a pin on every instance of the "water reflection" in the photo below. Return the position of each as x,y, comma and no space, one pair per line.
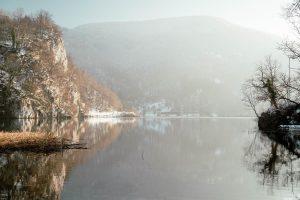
156,159
274,157
188,159
160,126
26,175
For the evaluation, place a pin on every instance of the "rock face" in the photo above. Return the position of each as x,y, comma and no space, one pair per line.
37,80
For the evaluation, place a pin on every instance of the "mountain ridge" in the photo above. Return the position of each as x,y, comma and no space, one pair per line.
187,65
215,18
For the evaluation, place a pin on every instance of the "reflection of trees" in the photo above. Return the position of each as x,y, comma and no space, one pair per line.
274,159
31,176
160,126
25,175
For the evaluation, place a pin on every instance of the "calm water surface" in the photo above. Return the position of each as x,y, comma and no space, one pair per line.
140,159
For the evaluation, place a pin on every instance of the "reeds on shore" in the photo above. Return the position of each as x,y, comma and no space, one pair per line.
35,141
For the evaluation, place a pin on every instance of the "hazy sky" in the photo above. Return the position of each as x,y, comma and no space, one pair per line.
263,15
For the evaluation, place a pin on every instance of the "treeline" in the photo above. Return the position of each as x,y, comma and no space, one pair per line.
17,28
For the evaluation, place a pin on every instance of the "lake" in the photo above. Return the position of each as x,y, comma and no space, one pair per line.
141,159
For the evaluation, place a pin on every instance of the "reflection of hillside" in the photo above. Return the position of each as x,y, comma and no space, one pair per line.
275,166
192,157
28,176
155,124
39,176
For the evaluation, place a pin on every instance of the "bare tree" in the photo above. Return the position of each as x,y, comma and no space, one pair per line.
45,22
18,14
249,97
291,88
292,14
265,85
272,86
43,18
292,49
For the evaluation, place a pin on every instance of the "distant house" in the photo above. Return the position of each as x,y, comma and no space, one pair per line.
169,114
155,108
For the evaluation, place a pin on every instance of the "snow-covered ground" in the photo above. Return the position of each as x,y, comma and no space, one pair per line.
98,120
111,114
295,127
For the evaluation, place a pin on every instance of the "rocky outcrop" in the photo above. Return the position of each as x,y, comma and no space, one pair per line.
38,80
60,55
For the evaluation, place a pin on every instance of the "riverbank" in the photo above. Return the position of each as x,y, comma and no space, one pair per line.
285,116
111,114
35,141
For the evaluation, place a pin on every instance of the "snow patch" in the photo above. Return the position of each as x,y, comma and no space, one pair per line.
22,52
294,127
111,114
217,81
112,121
3,77
214,115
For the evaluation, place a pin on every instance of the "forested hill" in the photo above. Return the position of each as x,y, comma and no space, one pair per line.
185,64
37,79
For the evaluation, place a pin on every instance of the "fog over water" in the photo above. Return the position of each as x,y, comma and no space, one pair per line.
156,159
265,15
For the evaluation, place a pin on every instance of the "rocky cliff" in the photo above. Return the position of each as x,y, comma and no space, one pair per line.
37,79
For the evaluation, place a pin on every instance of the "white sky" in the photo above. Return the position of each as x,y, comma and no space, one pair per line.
264,15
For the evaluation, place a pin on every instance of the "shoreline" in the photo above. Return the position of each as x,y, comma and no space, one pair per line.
35,142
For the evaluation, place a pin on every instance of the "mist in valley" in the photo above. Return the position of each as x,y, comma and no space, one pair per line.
181,65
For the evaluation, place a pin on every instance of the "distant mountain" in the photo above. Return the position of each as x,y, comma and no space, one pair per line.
185,64
37,80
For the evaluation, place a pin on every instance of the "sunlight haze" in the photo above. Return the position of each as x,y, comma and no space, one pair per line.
150,99
263,15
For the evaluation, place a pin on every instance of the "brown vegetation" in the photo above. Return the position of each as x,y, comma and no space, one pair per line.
37,76
37,142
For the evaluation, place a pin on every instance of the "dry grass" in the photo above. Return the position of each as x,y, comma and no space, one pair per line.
38,142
